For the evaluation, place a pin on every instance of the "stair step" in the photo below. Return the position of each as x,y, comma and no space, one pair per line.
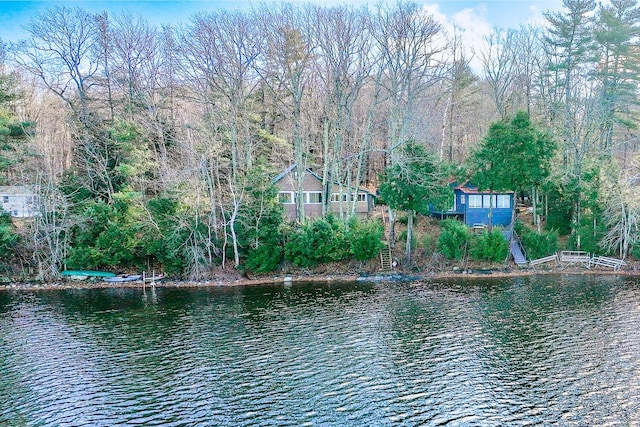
385,257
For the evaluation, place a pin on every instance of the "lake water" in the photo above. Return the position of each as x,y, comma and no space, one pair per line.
550,350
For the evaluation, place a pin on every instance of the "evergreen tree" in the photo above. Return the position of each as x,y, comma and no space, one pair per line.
617,31
415,183
509,143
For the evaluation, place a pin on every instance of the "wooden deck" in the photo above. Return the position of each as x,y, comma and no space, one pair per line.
568,258
603,261
551,258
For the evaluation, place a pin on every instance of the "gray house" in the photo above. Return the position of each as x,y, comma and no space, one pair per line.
314,197
19,201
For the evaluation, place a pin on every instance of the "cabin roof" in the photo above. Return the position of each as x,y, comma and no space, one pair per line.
288,170
468,188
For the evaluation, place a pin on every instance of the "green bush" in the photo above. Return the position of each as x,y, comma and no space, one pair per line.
164,243
107,237
540,245
454,238
489,246
265,258
8,236
319,241
260,225
365,238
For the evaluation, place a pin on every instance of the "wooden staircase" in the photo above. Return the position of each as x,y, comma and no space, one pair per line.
386,259
515,248
516,251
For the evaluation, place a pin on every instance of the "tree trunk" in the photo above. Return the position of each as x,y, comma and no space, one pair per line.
410,216
392,228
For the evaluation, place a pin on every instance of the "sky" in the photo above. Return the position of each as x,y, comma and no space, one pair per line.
472,19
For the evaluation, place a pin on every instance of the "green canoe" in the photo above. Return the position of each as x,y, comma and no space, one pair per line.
89,273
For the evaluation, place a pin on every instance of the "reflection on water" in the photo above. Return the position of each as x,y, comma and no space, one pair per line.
524,351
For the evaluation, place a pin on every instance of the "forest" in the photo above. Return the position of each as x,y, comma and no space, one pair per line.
156,146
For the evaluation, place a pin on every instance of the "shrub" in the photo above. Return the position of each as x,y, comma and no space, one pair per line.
319,241
265,258
260,224
365,238
106,236
454,239
489,246
540,245
8,236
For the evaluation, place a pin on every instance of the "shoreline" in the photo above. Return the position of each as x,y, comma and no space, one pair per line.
381,277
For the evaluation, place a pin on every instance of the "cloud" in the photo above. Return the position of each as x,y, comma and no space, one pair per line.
470,25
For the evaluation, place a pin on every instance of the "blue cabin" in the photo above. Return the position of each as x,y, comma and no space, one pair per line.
472,206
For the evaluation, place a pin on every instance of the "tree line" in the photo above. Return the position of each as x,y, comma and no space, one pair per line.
158,143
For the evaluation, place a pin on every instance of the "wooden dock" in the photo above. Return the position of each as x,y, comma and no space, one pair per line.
568,258
551,258
603,261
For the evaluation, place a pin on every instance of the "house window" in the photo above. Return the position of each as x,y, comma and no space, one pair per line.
286,197
314,197
5,199
462,197
485,201
336,197
475,201
504,201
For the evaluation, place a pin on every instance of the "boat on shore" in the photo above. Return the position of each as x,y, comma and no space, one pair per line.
123,278
86,273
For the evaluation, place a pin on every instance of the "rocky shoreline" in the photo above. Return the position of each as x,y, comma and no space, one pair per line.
381,277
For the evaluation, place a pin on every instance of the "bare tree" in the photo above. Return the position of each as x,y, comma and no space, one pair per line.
622,208
409,47
345,61
286,70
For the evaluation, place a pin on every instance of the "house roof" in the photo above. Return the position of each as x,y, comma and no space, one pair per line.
468,188
288,170
16,190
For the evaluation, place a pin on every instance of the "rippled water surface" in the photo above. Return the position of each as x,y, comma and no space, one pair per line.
524,351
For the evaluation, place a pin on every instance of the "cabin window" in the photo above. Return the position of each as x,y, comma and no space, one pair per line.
486,199
462,197
475,201
5,199
286,197
504,201
314,197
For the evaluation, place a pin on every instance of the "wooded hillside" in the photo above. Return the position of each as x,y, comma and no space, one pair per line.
161,143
